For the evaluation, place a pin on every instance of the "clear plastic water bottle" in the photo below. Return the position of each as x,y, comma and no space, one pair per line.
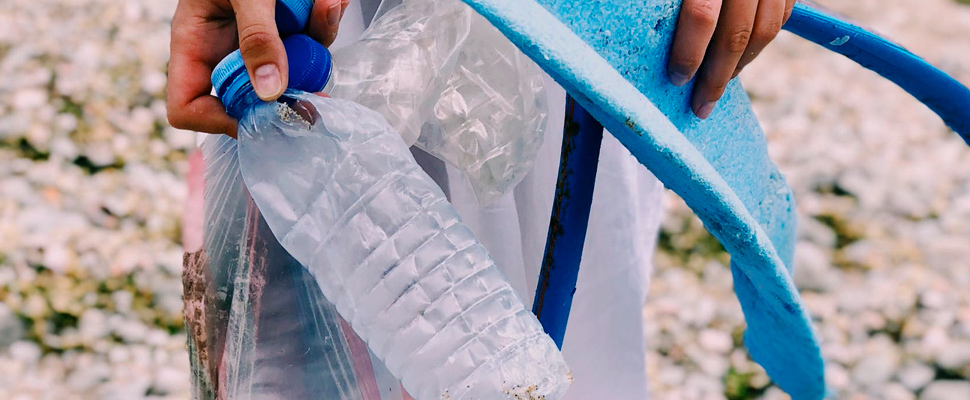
340,190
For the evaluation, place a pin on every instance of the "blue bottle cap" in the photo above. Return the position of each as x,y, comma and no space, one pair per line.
309,62
230,80
292,15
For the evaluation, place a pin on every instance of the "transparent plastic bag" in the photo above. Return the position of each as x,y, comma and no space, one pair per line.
259,327
340,189
452,84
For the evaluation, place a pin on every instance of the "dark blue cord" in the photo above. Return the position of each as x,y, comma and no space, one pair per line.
581,140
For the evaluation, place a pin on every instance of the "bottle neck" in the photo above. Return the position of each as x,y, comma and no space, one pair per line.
240,101
237,100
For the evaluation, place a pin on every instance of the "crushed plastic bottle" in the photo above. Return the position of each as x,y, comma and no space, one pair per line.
341,192
454,86
402,62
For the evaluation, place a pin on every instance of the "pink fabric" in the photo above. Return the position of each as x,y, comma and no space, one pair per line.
192,217
363,368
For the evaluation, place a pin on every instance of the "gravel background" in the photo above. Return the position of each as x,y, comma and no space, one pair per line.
92,187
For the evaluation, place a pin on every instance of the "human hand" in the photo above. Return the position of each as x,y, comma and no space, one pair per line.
715,39
205,31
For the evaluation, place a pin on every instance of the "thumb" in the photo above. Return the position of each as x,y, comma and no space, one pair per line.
261,47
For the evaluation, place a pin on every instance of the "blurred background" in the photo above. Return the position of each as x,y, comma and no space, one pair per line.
92,186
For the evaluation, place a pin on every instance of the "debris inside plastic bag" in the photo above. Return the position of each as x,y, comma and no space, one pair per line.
259,327
452,84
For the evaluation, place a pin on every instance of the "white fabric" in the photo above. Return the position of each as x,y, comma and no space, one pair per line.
604,344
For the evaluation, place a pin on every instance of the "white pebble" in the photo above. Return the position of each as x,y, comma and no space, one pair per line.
946,390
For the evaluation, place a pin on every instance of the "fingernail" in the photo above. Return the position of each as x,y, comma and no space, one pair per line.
269,83
678,78
705,110
333,16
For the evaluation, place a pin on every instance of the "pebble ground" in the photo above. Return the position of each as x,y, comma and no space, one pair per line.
92,189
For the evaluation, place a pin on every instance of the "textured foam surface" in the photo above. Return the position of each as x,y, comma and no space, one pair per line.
611,56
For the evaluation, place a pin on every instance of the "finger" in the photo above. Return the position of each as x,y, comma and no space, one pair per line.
730,40
325,20
767,24
695,28
189,105
789,5
188,102
261,47
203,114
